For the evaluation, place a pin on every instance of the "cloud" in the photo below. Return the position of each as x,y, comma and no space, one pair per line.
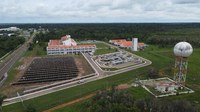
99,10
186,1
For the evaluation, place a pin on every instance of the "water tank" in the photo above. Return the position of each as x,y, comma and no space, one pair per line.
135,44
183,49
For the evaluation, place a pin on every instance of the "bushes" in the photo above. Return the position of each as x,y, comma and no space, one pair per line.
122,101
2,97
153,73
31,45
30,108
112,101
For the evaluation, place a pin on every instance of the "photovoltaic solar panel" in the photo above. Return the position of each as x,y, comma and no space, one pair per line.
49,69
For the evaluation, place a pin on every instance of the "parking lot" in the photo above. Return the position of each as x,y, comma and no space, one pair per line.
117,60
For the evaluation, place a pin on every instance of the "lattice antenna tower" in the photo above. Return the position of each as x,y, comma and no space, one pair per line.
182,51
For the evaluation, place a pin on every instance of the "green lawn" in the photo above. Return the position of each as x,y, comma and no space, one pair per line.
37,51
101,45
161,58
12,72
103,49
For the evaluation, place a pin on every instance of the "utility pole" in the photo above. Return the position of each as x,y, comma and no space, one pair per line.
21,100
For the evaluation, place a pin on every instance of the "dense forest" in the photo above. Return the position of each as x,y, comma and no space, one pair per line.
162,34
7,44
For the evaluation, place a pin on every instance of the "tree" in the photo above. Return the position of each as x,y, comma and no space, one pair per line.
153,73
2,97
30,108
8,44
141,104
112,101
156,105
31,45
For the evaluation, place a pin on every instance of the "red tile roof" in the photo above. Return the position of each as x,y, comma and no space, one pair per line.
126,44
64,38
64,46
141,44
55,42
118,40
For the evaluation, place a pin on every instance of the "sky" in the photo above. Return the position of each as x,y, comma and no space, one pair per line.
99,11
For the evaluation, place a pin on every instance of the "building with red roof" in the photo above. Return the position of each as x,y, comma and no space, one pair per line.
67,45
123,43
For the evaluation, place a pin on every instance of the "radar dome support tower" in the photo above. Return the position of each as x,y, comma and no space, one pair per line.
182,51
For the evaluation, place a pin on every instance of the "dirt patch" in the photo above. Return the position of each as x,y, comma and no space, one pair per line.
196,85
122,86
70,103
22,68
83,66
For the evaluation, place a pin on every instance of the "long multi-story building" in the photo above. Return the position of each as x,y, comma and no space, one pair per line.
67,45
123,43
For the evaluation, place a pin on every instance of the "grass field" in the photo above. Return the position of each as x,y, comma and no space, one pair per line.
167,54
12,72
102,46
161,58
104,49
37,51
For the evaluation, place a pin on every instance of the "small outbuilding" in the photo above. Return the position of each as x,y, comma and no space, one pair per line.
165,87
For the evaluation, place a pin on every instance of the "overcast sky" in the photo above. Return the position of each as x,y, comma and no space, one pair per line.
103,11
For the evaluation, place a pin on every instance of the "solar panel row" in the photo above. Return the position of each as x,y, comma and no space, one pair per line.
49,69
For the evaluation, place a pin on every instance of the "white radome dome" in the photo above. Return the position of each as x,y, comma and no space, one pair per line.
183,49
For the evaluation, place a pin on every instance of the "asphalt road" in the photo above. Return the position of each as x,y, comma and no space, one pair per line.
13,57
100,75
97,69
45,91
146,61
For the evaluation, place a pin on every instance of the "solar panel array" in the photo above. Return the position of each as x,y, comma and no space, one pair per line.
49,69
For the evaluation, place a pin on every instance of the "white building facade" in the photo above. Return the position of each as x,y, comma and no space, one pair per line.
68,46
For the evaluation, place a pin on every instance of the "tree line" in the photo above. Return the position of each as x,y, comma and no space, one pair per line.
8,44
171,40
159,34
122,101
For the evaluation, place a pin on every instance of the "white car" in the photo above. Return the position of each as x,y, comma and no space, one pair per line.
81,81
